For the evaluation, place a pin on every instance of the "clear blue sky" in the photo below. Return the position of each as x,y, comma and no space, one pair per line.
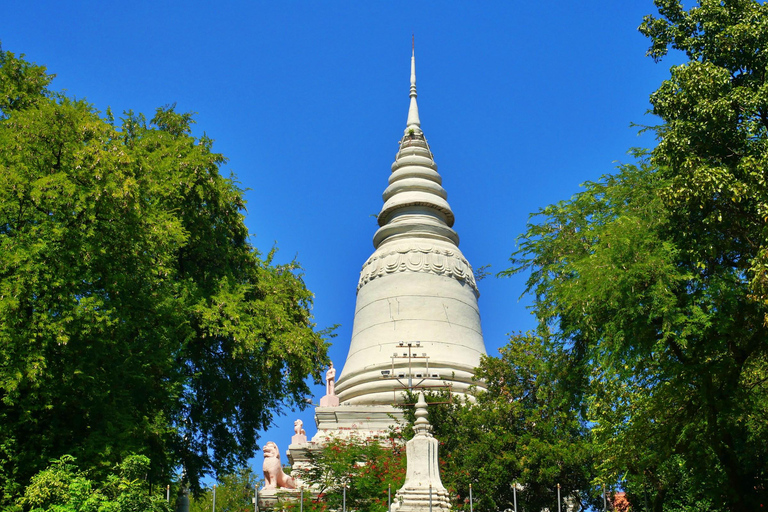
520,101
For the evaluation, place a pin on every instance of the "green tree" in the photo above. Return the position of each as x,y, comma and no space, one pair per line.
653,281
135,315
367,467
524,429
234,493
63,487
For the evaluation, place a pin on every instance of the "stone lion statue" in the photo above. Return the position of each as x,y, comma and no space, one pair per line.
274,477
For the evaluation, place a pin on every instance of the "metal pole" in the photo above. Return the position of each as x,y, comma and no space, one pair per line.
558,497
430,497
301,497
344,500
410,376
514,495
605,505
389,497
168,493
470,498
214,498
256,499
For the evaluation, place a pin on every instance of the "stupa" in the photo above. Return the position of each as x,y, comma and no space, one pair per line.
416,296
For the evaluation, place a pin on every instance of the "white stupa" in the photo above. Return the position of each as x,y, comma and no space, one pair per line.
417,288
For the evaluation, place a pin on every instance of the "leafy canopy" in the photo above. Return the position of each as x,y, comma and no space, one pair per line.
63,487
653,281
135,315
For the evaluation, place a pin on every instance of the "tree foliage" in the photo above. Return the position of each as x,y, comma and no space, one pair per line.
63,487
652,281
135,315
234,493
368,468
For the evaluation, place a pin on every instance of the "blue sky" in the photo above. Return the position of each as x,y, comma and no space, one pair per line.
521,102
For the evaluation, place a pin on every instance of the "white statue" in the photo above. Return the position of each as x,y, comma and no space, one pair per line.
274,477
330,399
330,381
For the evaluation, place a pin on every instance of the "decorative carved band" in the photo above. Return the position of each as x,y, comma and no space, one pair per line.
432,260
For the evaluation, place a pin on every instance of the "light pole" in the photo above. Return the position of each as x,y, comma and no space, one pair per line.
514,494
406,379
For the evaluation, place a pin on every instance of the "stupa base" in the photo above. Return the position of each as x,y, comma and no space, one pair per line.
420,500
356,422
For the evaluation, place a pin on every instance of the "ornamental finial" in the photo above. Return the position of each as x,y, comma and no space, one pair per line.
413,122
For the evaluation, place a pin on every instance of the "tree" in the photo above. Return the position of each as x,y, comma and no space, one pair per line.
524,430
135,315
234,493
653,281
63,487
368,468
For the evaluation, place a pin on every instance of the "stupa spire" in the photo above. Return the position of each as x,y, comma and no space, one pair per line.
415,203
413,122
